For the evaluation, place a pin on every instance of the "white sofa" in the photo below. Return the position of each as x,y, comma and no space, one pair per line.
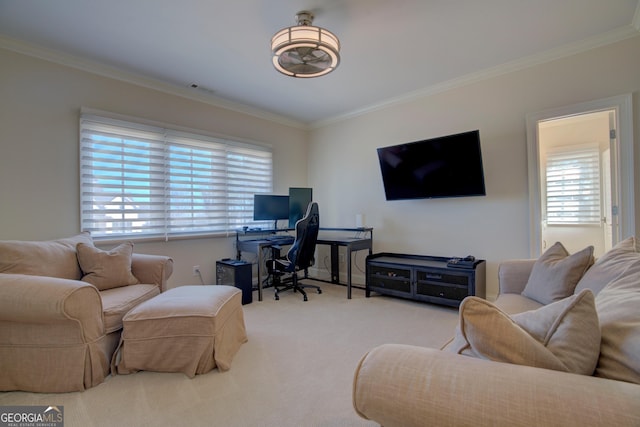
401,385
61,309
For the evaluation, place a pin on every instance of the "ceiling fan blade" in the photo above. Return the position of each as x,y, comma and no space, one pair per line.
305,69
322,59
291,57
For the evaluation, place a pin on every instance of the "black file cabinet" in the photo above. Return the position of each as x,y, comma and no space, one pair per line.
233,272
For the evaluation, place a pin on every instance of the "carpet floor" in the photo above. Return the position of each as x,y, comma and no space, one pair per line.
295,370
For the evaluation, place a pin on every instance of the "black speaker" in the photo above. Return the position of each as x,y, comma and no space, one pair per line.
233,272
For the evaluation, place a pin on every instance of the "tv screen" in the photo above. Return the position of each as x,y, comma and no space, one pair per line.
270,207
448,166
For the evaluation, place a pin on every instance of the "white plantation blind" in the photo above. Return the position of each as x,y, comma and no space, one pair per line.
146,181
573,187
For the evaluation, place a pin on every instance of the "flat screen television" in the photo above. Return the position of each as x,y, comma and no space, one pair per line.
447,166
267,207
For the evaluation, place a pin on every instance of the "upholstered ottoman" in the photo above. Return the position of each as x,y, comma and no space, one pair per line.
190,329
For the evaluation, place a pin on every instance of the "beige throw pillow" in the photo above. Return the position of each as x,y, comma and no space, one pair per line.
610,266
618,307
564,336
556,273
107,269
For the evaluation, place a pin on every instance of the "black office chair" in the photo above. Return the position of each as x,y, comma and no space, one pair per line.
299,257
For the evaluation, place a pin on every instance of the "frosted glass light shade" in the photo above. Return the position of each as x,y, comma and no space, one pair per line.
305,51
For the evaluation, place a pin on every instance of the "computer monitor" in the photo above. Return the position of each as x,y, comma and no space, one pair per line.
299,199
268,207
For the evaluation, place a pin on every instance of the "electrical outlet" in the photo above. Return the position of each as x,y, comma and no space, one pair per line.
196,270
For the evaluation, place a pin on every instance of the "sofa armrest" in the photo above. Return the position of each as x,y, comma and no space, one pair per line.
400,385
26,299
513,275
152,269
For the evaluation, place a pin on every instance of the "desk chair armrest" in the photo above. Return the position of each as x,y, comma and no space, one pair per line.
284,264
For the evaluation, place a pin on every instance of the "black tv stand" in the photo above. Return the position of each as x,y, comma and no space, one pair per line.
424,278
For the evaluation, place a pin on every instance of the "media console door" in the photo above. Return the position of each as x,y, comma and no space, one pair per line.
424,278
389,278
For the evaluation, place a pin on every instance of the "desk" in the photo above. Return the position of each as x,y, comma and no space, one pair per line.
327,237
351,244
257,247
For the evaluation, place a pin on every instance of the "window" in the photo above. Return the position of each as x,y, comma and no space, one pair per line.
573,187
147,181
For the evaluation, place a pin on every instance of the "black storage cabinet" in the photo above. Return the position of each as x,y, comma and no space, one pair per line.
424,278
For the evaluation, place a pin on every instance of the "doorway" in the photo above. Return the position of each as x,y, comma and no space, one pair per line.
577,197
581,176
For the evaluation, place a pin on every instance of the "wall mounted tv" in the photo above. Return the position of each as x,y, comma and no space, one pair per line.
448,166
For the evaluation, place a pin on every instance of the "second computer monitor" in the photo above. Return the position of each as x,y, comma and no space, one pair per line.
299,199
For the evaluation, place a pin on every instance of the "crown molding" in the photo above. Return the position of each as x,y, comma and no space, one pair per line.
115,73
570,49
104,70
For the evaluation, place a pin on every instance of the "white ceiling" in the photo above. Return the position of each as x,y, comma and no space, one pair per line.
392,50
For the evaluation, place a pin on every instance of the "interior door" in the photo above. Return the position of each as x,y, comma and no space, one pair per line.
609,217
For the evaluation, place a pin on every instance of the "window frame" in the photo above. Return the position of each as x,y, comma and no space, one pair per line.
204,191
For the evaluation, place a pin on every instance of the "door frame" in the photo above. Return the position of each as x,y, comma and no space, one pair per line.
622,168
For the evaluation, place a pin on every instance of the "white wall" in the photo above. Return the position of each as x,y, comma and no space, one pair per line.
495,227
40,103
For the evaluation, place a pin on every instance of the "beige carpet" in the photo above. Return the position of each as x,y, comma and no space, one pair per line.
296,369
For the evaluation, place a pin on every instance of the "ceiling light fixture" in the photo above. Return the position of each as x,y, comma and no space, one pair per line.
305,50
